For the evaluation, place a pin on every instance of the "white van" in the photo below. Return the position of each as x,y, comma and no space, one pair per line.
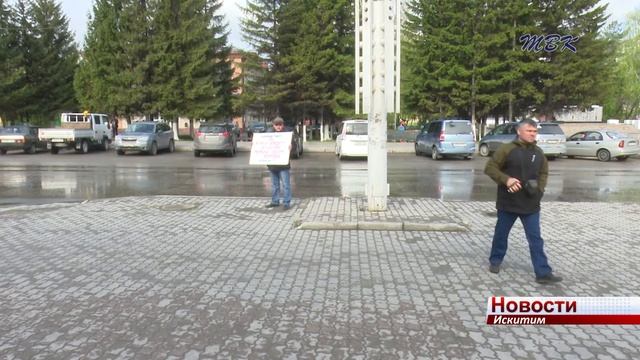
353,139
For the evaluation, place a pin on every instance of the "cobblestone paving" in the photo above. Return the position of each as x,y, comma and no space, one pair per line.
225,278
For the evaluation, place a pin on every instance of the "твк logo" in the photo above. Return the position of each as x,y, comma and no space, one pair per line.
548,43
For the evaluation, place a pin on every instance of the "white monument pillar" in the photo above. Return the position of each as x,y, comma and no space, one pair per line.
377,79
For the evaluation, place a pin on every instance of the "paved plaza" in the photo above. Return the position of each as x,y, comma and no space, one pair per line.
174,277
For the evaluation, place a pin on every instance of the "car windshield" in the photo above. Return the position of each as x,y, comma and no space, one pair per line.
140,128
212,129
550,129
356,129
458,127
616,135
13,130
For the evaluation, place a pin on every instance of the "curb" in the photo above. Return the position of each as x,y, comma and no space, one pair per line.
380,226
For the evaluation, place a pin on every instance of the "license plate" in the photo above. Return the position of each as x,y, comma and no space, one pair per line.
552,141
459,144
57,140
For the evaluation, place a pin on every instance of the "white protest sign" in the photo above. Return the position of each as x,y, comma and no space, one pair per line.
270,148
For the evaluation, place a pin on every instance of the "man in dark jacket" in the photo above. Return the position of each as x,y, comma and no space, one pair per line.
280,173
520,169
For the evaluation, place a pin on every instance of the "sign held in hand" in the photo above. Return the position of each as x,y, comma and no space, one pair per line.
270,148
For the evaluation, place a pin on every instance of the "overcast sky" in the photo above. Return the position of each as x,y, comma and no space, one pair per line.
77,12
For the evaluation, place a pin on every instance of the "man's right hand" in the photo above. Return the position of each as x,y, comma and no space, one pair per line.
513,185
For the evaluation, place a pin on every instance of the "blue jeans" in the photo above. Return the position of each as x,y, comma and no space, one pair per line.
276,177
531,224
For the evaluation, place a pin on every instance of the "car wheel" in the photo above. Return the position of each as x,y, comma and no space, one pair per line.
154,149
120,152
468,157
105,144
54,150
3,152
603,155
571,157
435,155
622,158
172,146
416,149
551,158
31,149
196,153
84,147
484,150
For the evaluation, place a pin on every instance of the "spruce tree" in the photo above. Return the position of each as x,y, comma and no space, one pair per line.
26,46
54,61
435,76
96,80
318,56
11,69
190,72
132,77
260,27
567,78
623,87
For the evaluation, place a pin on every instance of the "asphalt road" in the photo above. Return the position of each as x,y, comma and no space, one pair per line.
46,178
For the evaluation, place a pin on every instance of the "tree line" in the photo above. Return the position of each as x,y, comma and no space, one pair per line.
461,58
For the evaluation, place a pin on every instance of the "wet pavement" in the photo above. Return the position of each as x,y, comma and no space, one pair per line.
71,177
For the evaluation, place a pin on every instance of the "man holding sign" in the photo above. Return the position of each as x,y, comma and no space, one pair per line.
273,149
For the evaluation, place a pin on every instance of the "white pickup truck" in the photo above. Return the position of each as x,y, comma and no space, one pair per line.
79,131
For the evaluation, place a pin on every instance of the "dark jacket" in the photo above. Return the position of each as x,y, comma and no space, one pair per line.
522,161
280,167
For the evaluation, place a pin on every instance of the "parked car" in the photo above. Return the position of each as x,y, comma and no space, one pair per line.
256,127
602,144
215,137
503,133
79,131
551,139
146,136
21,137
441,138
297,145
353,139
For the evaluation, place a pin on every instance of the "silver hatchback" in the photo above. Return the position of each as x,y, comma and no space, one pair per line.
215,137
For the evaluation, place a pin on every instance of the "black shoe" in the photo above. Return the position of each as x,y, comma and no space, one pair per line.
494,269
286,207
548,279
272,205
